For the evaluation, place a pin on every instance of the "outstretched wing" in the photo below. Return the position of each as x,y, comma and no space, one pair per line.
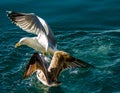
35,63
62,60
32,24
74,62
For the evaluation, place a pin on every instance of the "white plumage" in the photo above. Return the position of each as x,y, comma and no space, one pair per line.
44,41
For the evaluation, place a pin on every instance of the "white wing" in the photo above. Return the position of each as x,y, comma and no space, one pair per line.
32,24
42,39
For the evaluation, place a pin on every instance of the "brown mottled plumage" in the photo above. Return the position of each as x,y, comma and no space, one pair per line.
49,75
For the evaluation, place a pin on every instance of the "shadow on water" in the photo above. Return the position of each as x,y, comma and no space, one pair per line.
56,90
84,29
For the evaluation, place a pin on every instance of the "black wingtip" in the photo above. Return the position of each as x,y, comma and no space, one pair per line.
84,64
8,13
87,65
90,66
12,14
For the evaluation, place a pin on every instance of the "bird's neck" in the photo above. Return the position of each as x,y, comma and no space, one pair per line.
30,42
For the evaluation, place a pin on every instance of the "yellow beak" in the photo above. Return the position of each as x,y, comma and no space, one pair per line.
17,45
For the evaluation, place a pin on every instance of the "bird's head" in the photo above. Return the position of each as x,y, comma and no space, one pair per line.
22,41
17,45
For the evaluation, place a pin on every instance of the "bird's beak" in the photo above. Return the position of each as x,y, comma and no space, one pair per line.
17,45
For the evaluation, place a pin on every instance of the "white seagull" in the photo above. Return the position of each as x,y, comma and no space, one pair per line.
44,41
48,75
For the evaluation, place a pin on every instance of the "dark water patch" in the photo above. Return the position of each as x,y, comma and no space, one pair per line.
88,30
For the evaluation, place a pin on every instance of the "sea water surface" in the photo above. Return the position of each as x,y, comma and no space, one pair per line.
87,29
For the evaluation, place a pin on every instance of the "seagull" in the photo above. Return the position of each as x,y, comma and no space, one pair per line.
48,75
44,41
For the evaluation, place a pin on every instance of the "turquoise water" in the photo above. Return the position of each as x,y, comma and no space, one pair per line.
87,29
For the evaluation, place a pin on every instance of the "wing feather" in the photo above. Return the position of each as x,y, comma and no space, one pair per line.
32,24
74,62
62,60
35,63
26,21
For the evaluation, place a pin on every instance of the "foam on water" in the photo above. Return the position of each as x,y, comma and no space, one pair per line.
87,30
